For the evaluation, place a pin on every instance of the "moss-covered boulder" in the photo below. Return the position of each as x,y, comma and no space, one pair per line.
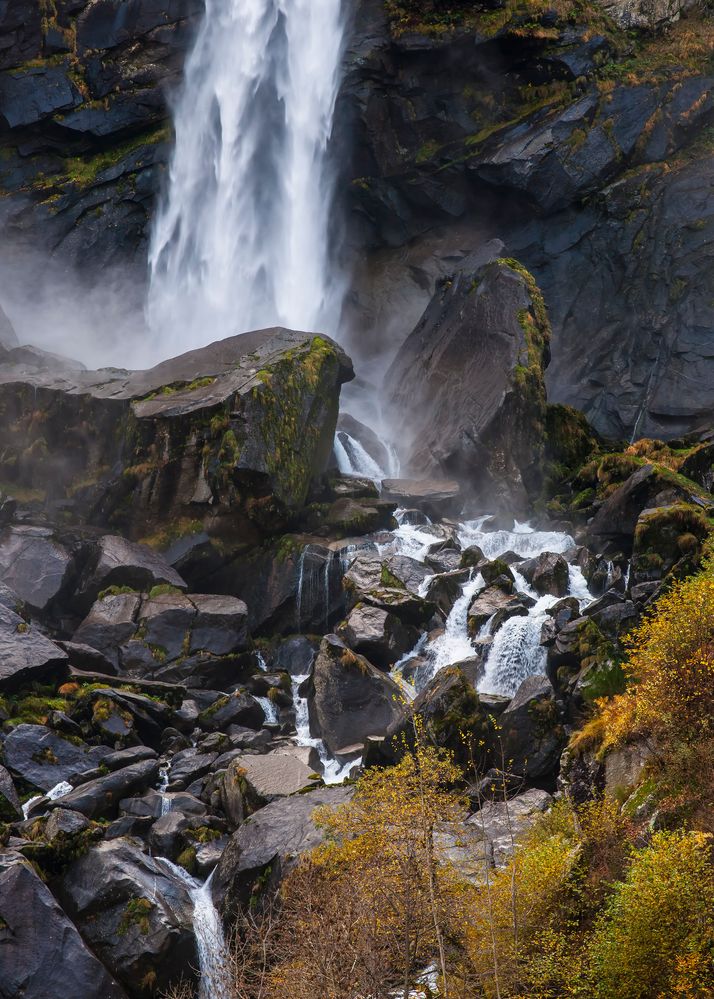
466,391
227,438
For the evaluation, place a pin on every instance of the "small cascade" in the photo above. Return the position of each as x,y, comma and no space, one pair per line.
516,651
317,571
58,791
353,459
333,771
270,710
260,661
208,930
162,786
455,643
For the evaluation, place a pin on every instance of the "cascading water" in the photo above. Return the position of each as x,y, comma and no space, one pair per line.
333,771
242,240
270,710
353,459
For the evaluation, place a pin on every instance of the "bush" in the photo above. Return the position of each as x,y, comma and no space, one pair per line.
656,935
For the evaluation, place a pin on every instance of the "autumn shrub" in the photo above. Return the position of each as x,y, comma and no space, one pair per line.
655,938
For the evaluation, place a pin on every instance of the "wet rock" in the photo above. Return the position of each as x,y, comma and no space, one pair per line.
43,759
445,588
457,407
29,95
187,766
435,496
547,573
272,839
486,604
348,426
349,699
40,945
115,561
25,654
378,635
84,657
532,734
10,808
64,823
235,709
153,804
471,557
33,564
295,656
135,914
617,517
100,798
156,457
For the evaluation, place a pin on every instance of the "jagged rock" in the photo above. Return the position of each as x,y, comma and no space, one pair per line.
378,635
445,588
151,805
199,437
272,839
43,758
40,946
33,564
135,914
547,573
349,699
456,396
617,517
531,732
100,798
487,603
649,15
115,561
10,808
84,657
437,497
237,709
25,654
274,775
699,466
490,836
168,635
64,823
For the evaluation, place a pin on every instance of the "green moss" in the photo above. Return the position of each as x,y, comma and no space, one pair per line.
387,578
116,591
136,914
187,859
164,589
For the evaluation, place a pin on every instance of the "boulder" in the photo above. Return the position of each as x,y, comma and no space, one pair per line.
547,573
134,912
378,635
273,775
33,564
43,759
25,654
349,698
445,588
531,731
229,436
41,947
100,798
466,392
115,561
616,519
487,603
350,430
10,808
270,841
239,708
436,497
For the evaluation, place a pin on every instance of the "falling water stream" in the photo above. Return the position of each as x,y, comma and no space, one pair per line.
242,239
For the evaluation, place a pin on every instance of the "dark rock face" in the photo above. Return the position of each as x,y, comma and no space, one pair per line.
617,517
531,731
40,946
548,573
135,914
118,562
274,838
232,434
378,635
100,798
8,337
350,699
33,564
44,759
83,98
25,654
466,389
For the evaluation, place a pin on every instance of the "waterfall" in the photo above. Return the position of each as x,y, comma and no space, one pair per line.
353,459
241,240
270,710
333,771
210,939
58,791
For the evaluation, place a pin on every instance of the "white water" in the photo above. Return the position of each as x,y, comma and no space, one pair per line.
353,459
270,710
208,930
333,771
242,240
58,791
161,787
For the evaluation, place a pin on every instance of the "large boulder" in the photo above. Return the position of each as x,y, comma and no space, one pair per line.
531,733
168,636
134,912
99,798
115,561
229,436
42,758
349,698
25,654
466,391
617,518
33,564
270,841
547,573
378,635
43,955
